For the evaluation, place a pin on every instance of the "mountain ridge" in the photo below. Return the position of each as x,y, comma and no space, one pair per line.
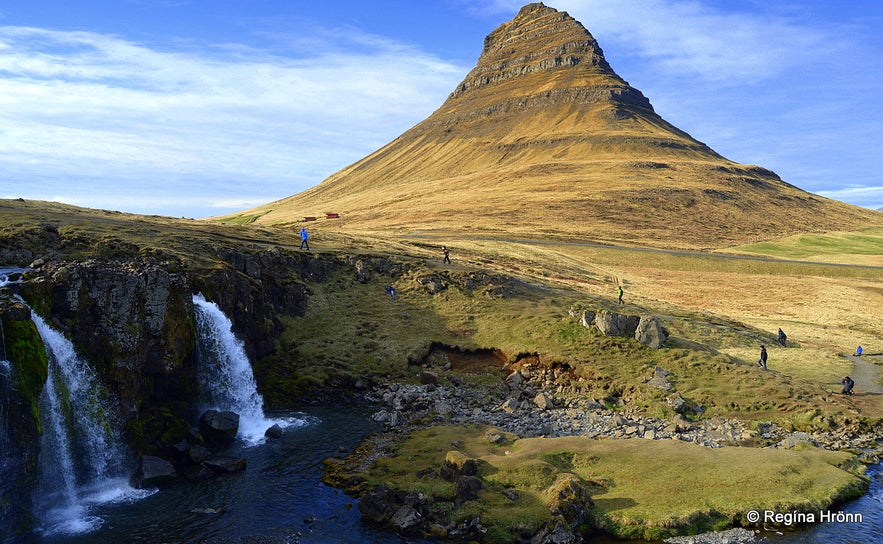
543,138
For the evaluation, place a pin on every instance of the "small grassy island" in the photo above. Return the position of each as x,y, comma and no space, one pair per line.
648,489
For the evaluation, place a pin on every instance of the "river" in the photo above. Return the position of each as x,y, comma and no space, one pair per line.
280,499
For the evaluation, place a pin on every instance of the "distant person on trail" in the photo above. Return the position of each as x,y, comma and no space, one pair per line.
848,384
391,291
762,360
304,237
447,253
858,351
619,294
782,338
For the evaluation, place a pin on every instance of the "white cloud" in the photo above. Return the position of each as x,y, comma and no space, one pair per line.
869,196
106,113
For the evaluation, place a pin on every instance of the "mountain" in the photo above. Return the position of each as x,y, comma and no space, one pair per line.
542,138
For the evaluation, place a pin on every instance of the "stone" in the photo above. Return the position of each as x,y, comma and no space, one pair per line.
650,332
156,472
197,454
458,464
614,324
515,379
558,534
376,505
660,379
226,465
428,378
468,488
570,499
274,432
219,427
677,403
543,401
510,406
406,520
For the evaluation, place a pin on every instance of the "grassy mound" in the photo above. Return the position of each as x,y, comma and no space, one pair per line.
641,488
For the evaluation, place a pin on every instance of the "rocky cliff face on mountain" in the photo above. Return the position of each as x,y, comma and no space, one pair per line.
543,137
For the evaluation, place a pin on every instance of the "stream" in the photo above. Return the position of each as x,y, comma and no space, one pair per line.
280,499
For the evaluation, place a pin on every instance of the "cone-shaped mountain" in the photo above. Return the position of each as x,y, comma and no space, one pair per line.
543,138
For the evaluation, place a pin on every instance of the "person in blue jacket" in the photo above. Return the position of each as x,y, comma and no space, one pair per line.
858,351
304,237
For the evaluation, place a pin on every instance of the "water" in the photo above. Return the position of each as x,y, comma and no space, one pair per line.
869,530
279,498
82,457
224,374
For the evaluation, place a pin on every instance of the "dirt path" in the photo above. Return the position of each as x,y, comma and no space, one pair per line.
866,375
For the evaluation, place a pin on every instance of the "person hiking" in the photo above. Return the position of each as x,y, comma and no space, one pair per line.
304,237
858,351
447,253
391,291
782,337
763,356
619,294
848,384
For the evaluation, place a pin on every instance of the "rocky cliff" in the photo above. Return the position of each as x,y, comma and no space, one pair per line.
133,320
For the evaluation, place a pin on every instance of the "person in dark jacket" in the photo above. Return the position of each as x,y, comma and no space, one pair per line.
782,337
763,356
848,384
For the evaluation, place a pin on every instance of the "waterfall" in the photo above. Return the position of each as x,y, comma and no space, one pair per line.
82,457
225,375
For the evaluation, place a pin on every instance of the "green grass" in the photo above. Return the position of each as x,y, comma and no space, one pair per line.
641,488
866,242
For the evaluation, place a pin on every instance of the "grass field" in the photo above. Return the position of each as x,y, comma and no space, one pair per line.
517,296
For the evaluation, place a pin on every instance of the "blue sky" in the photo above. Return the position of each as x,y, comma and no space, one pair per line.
201,107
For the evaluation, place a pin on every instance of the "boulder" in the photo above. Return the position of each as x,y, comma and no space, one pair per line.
274,432
660,380
458,464
226,465
156,472
543,401
218,427
377,505
407,520
509,406
677,403
587,319
570,499
556,534
650,332
468,488
614,324
197,454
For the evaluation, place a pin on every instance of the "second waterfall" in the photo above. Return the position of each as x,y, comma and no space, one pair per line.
225,374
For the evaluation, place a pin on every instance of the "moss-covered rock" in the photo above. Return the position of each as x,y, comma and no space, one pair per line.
20,386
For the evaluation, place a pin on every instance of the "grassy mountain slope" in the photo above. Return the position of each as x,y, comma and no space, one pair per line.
542,138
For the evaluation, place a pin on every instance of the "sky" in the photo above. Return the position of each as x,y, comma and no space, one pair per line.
196,108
